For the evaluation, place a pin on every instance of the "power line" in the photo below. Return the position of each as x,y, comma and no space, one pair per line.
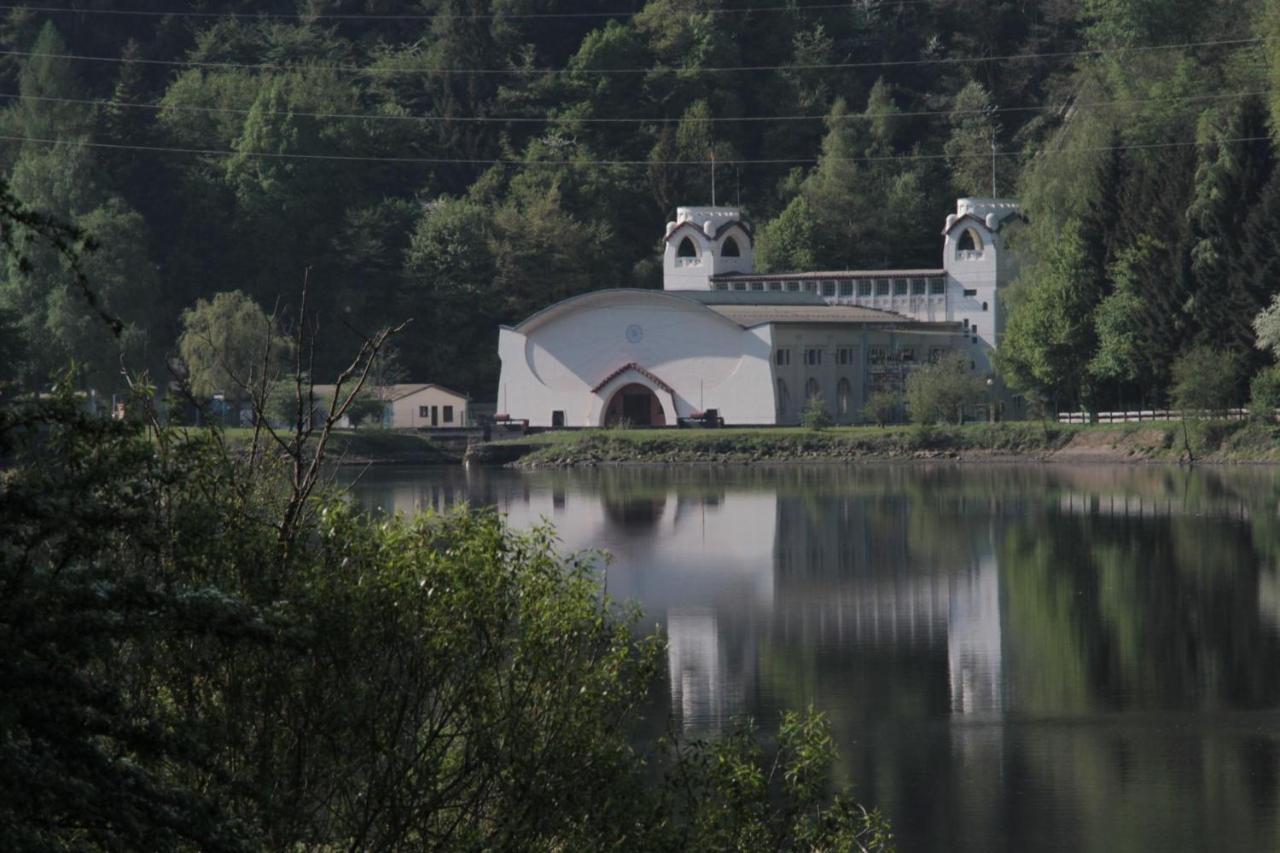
106,102
820,66
438,161
864,6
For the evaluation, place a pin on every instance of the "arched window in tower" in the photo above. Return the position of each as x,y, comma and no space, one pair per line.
970,242
730,249
686,249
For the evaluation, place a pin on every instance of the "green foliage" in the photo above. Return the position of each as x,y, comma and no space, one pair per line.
1264,392
882,407
1204,380
230,346
943,391
815,414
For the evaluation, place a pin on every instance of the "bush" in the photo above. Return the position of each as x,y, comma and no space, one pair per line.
1264,393
815,414
942,391
266,669
882,407
1204,380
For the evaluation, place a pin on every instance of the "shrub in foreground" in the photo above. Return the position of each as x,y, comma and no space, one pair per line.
198,657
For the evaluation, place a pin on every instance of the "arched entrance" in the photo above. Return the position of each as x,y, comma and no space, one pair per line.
636,405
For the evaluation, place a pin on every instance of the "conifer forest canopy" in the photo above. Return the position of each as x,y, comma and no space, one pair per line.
465,162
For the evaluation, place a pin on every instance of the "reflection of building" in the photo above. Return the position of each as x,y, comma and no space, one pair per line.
755,346
864,584
708,678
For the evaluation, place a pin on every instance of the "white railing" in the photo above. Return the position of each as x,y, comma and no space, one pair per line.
1145,415
688,262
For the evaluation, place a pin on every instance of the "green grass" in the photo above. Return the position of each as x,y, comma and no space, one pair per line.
368,445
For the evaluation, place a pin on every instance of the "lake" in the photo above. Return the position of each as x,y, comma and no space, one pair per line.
1012,657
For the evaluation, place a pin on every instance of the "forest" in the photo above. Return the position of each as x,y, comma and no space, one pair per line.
461,163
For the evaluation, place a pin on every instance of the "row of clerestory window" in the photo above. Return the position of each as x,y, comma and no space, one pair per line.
845,287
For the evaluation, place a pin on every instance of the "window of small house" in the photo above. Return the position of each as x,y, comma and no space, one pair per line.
424,411
448,414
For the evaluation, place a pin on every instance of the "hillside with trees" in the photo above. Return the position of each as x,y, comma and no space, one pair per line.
465,162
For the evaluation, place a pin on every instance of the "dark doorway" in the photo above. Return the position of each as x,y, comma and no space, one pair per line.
557,418
435,416
634,405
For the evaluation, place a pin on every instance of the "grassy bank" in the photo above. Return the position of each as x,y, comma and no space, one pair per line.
374,446
1211,441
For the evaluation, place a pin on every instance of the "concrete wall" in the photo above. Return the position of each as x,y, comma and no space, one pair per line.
865,374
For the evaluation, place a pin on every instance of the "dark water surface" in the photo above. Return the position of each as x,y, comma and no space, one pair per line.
1013,658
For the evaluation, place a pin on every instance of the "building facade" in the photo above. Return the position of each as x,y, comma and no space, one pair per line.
752,346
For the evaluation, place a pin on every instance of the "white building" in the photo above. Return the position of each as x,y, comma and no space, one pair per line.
755,346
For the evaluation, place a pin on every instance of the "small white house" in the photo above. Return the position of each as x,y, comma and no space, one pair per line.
415,405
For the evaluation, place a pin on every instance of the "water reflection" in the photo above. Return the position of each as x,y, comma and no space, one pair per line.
1014,658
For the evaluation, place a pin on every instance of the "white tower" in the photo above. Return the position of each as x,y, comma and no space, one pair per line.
977,265
702,242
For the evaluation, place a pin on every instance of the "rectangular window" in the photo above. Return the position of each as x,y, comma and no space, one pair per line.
907,355
970,292
844,356
739,285
846,288
882,287
875,355
448,414
719,285
935,355
757,285
424,411
917,287
793,286
899,287
864,287
937,287
813,357
828,288
782,357
811,286
775,285
966,324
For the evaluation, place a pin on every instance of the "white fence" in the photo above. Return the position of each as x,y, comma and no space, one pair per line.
1145,415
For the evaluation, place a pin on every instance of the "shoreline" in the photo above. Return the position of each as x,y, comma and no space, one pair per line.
1212,442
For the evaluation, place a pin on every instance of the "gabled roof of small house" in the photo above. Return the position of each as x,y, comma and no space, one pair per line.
392,393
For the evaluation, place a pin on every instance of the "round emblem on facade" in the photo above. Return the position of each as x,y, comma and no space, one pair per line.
635,333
